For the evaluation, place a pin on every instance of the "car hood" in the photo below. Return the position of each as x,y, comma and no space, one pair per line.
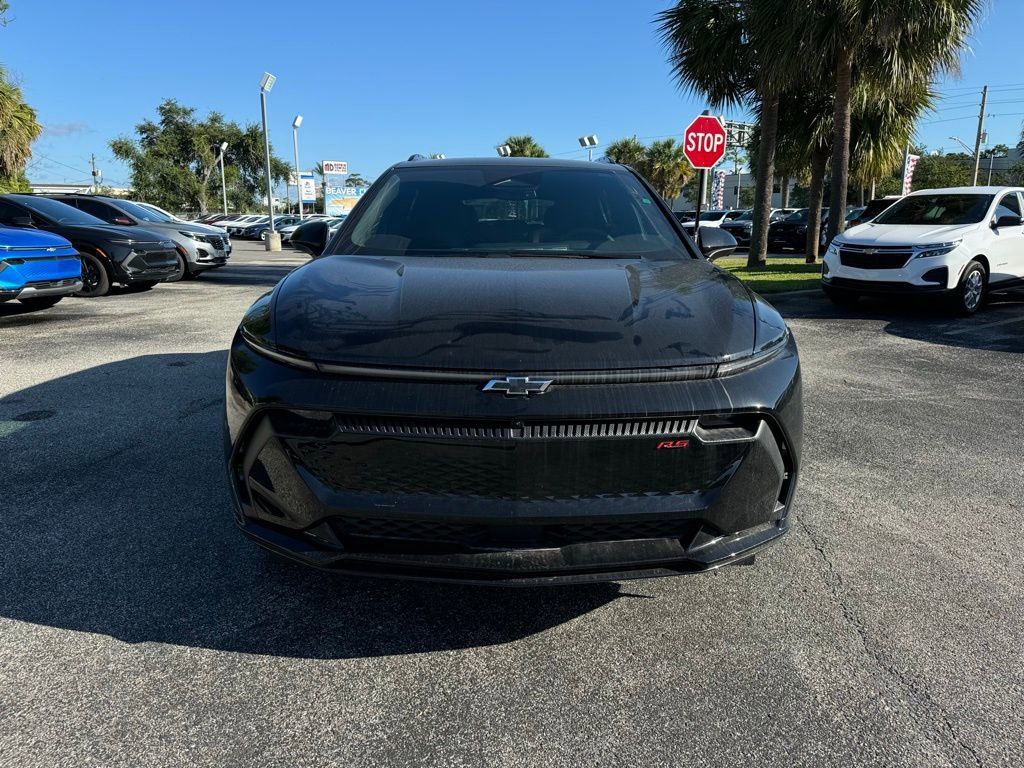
108,231
12,237
905,234
518,314
178,226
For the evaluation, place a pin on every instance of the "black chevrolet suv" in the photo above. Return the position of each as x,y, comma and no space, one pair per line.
110,254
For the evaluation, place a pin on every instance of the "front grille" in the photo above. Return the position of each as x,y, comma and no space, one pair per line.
883,257
54,283
504,460
510,431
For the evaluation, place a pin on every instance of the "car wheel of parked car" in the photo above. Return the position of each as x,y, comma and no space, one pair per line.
180,273
41,302
95,280
841,298
971,292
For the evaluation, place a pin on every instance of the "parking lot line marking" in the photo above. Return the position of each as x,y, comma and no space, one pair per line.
984,326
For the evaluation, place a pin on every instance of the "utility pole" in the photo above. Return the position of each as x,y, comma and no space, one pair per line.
95,175
981,130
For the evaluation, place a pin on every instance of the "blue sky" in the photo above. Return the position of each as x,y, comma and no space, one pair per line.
378,81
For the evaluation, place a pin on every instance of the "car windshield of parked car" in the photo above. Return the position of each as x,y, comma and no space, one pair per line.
59,213
942,210
491,210
143,214
799,216
745,216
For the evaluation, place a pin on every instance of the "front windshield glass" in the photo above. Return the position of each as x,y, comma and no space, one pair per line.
745,216
59,213
943,210
142,214
801,215
494,210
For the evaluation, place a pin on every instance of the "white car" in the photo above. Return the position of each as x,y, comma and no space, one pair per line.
707,218
957,243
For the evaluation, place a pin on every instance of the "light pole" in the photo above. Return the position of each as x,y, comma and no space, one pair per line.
223,186
298,176
273,238
588,143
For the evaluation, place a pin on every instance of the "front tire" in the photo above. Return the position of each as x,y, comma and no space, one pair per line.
970,294
181,272
41,302
95,280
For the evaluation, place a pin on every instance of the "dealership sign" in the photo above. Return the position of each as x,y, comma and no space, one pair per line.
339,167
339,201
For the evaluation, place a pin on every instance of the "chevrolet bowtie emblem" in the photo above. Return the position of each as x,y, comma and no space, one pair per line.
518,386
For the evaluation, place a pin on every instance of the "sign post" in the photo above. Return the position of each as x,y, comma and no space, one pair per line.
704,147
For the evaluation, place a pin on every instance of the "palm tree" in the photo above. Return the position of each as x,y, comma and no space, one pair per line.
662,163
667,168
886,46
629,152
721,49
525,146
18,129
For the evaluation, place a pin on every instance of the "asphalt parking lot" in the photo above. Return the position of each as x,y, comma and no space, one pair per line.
137,627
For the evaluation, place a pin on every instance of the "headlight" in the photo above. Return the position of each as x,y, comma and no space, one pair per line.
833,249
194,235
801,229
938,249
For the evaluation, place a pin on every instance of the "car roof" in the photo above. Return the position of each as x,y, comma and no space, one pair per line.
993,190
516,162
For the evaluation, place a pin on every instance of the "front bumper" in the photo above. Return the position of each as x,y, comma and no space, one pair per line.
42,288
145,264
560,488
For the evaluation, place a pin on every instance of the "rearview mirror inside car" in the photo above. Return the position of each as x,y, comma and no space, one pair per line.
716,243
311,237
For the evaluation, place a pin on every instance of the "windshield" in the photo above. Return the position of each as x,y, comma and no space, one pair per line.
801,215
937,209
745,216
59,213
142,214
491,210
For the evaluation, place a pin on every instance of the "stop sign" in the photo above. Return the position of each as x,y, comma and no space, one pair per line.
704,141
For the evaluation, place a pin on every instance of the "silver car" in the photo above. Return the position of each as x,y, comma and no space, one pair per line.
199,246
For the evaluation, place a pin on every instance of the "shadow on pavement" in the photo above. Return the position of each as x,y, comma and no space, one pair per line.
998,326
117,521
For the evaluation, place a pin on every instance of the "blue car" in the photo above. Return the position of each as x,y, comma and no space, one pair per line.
37,268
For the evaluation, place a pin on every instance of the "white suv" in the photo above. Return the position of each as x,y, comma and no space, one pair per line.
959,243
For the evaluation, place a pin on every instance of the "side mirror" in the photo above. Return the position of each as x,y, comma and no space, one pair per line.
716,243
22,221
122,220
1007,221
312,237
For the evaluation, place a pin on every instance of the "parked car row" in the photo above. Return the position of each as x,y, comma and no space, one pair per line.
55,246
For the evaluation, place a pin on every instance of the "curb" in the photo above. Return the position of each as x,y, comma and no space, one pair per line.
800,292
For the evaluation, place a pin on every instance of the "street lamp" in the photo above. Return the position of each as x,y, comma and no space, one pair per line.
223,187
589,142
273,238
298,176
963,144
504,150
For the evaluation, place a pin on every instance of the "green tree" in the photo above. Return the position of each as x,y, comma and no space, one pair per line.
525,146
999,150
662,163
18,129
721,49
173,159
356,179
936,171
882,47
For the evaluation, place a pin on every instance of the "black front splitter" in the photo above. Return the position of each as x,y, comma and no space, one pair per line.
574,564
